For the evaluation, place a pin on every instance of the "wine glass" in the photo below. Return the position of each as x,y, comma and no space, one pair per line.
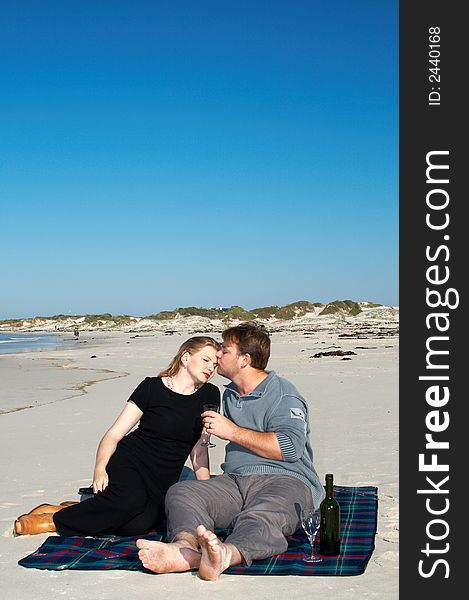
310,520
207,443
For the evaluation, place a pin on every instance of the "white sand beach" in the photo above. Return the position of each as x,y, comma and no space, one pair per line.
55,405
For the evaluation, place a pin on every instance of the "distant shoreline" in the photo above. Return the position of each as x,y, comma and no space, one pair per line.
18,341
44,341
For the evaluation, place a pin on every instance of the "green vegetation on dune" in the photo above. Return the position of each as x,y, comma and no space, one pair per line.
233,313
265,312
164,315
295,309
12,322
192,311
238,312
347,307
107,319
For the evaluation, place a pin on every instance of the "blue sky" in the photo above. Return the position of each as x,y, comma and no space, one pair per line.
197,153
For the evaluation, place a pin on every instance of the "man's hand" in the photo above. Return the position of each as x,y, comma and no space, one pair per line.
219,425
262,443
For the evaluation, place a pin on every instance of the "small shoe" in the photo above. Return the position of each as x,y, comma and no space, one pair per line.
33,524
44,509
50,509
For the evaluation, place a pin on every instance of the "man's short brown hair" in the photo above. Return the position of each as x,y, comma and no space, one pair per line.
251,338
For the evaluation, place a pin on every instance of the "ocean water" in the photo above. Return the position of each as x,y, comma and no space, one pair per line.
28,342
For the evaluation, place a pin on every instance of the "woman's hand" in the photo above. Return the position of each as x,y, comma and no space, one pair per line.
128,418
100,480
200,460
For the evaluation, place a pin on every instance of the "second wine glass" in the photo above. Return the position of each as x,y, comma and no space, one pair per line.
310,520
207,443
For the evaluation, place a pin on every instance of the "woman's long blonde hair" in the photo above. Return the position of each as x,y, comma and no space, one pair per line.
192,345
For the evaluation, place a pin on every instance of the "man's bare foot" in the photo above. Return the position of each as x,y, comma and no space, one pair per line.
160,557
215,555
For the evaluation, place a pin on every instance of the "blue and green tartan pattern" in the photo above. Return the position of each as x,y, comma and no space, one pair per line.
358,513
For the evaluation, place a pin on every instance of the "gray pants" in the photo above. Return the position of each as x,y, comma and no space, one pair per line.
261,509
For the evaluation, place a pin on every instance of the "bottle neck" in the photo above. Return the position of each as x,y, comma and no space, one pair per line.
329,486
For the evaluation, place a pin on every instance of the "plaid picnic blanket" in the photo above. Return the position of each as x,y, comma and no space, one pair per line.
358,512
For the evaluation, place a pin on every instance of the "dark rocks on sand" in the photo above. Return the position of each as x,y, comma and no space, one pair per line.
333,353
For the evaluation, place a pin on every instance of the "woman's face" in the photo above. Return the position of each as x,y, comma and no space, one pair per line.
201,365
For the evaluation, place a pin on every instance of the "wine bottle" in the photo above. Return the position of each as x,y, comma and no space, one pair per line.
330,521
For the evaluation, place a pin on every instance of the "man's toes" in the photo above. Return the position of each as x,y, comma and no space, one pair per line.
206,535
209,536
145,562
212,539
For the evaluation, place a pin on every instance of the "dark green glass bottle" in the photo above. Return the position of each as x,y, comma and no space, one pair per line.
330,520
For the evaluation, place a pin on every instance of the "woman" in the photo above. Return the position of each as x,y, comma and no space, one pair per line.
133,471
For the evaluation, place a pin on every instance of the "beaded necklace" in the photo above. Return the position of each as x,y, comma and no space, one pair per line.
170,384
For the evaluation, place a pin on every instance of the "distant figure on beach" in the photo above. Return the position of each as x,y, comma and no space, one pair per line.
133,471
268,474
76,332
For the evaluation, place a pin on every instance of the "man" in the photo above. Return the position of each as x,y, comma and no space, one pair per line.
268,474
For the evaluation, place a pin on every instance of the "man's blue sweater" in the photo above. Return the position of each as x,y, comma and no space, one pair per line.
274,405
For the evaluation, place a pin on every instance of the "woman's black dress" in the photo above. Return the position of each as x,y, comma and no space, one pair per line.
146,463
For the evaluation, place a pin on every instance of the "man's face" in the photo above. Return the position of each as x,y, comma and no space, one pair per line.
229,360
